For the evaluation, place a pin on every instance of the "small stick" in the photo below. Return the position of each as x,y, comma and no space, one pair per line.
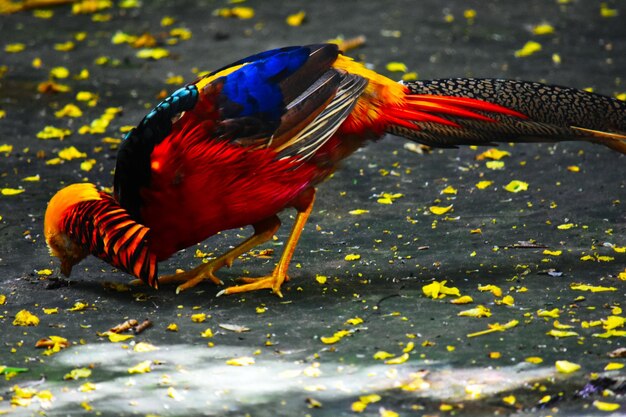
141,327
127,325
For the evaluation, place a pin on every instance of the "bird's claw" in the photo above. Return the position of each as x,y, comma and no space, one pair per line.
271,282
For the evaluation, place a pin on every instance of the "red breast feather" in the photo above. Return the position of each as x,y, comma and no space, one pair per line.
200,186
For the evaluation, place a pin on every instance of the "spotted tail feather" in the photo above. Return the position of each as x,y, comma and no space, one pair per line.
517,111
107,231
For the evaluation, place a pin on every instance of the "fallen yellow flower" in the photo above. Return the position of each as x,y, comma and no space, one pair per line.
477,312
25,318
241,361
398,360
561,333
141,368
494,289
439,210
516,186
296,19
493,153
566,367
438,289
592,288
529,48
495,327
604,406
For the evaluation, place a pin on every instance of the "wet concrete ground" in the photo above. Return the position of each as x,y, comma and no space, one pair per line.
402,246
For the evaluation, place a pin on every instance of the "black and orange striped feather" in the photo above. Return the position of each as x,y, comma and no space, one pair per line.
109,232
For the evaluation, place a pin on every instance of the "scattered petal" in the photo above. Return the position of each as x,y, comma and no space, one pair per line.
440,210
78,373
477,312
25,318
516,186
296,19
528,49
592,288
141,368
438,289
604,406
566,367
241,361
481,185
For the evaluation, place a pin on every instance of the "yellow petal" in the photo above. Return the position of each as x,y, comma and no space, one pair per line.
449,190
59,72
354,321
438,289
554,313
144,347
87,387
613,366
592,288
296,19
604,406
396,67
481,185
494,289
440,210
493,153
141,368
516,186
534,359
11,191
510,400
70,110
477,312
352,257
71,153
398,360
561,333
198,318
78,373
495,164
465,299
241,361
566,367
528,49
543,29
207,333
116,338
382,355
152,53
25,318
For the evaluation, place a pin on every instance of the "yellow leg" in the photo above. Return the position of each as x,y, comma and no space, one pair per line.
263,232
276,279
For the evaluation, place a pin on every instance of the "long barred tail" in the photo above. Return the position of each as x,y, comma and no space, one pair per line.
548,114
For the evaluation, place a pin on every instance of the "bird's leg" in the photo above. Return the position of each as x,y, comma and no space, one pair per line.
263,231
304,205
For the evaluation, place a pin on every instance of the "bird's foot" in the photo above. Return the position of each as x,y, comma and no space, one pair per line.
271,282
194,276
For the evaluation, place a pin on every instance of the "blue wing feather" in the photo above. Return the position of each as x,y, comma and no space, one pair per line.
255,87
